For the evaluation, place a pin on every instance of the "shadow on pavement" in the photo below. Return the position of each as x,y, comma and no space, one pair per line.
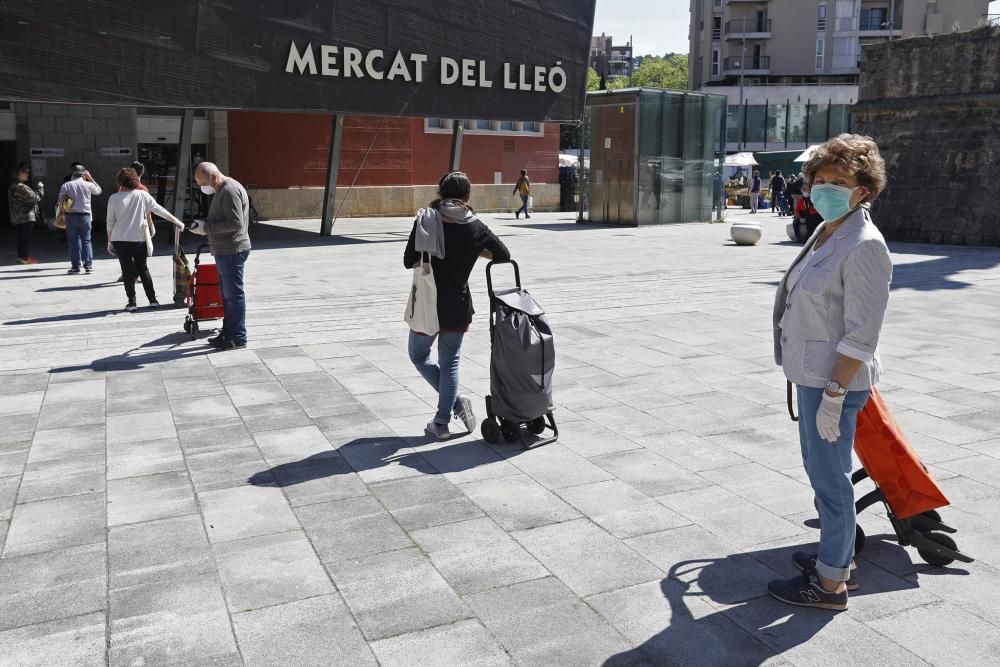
74,288
135,360
934,274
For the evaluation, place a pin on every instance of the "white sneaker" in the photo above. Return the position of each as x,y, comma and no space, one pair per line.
464,412
435,430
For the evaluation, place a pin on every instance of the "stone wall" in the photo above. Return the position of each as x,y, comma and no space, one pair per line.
81,131
390,200
933,106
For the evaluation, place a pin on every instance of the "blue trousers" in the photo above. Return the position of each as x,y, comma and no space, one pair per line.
234,301
828,465
443,375
524,205
78,227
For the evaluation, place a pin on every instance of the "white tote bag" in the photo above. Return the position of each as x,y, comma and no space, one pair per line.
421,307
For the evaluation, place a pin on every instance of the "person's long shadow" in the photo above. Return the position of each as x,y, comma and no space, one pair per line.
753,627
136,359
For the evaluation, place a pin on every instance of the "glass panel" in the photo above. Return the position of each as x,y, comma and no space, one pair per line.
734,124
797,124
434,122
838,119
817,123
531,127
756,123
507,125
776,124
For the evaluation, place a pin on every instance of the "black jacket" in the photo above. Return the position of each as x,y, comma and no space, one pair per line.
463,245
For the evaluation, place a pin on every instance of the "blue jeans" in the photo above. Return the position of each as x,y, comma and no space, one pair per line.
234,302
78,239
828,465
443,376
524,206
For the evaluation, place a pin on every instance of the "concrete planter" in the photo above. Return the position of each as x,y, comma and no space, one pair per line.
745,233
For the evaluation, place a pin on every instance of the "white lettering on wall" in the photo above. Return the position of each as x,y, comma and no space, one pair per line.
352,62
418,62
508,80
399,68
328,61
302,61
450,71
554,85
370,59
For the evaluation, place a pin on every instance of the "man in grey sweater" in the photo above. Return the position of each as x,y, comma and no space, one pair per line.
227,229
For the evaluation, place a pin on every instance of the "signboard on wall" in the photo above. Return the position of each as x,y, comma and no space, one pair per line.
488,59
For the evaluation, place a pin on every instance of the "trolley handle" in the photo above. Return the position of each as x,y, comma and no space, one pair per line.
489,274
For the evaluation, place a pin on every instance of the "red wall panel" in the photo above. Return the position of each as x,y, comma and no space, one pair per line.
280,150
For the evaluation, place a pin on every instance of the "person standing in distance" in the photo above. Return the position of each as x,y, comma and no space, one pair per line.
22,202
79,217
523,187
227,229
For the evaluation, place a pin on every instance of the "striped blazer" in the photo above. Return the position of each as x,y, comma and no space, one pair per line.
834,305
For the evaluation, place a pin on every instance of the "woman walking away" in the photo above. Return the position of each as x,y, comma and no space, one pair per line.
128,230
454,238
828,316
22,201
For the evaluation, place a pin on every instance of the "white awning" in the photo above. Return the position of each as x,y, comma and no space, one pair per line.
807,154
740,160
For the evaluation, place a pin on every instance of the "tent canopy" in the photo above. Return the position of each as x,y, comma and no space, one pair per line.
807,154
740,160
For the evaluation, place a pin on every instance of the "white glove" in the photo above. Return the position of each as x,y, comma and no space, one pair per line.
198,227
828,417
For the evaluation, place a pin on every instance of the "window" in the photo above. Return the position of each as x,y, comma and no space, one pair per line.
435,123
508,127
716,27
821,18
820,51
874,18
715,62
531,127
845,53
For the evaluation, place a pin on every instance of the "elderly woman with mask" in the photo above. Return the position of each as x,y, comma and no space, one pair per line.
827,318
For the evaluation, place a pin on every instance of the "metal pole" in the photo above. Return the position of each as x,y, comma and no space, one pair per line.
788,120
580,172
456,146
892,17
767,107
183,181
743,55
332,169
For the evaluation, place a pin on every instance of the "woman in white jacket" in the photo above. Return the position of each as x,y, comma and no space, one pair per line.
128,225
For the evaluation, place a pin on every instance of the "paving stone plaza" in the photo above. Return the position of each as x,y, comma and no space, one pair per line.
280,505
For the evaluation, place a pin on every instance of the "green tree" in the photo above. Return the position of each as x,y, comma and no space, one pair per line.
656,72
593,79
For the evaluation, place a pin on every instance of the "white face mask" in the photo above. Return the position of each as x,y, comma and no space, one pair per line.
207,189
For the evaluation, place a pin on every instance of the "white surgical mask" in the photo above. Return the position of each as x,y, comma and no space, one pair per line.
207,189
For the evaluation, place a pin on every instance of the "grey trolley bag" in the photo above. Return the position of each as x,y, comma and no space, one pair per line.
521,364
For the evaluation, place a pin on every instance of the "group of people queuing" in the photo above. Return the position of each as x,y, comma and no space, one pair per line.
788,197
130,231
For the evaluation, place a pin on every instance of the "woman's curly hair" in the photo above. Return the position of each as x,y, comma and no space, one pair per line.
128,178
856,154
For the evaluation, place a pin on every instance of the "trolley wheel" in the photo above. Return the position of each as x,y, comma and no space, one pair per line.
187,324
935,558
933,515
859,539
536,426
918,522
510,431
194,329
491,431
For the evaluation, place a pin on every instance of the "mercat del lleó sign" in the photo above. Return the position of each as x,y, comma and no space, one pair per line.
485,59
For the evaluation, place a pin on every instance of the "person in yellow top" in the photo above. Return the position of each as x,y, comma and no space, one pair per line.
523,187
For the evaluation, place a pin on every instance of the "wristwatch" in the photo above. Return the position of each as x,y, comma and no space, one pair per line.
834,388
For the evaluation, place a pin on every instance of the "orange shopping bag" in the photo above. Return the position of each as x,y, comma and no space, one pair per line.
892,464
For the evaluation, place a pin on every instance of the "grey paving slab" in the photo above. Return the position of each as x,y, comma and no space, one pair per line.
149,497
257,393
137,403
72,392
379,459
13,458
245,374
396,592
203,409
312,382
270,569
159,550
556,467
60,443
477,555
771,490
518,502
351,528
22,404
77,641
141,427
586,558
63,477
590,439
668,623
227,468
317,631
178,620
621,509
542,622
64,415
649,473
319,478
8,494
133,459
201,438
458,644
690,451
291,444
58,523
290,365
18,428
12,384
274,416
52,585
421,502
180,388
248,511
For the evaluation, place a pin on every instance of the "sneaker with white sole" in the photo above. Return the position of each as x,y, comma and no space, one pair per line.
806,561
435,430
130,307
806,591
464,412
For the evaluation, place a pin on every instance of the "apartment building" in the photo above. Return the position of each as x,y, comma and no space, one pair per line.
610,60
790,67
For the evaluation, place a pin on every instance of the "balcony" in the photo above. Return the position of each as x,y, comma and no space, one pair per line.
750,28
747,2
748,65
869,26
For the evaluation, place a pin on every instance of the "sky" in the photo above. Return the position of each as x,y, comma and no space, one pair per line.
657,26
